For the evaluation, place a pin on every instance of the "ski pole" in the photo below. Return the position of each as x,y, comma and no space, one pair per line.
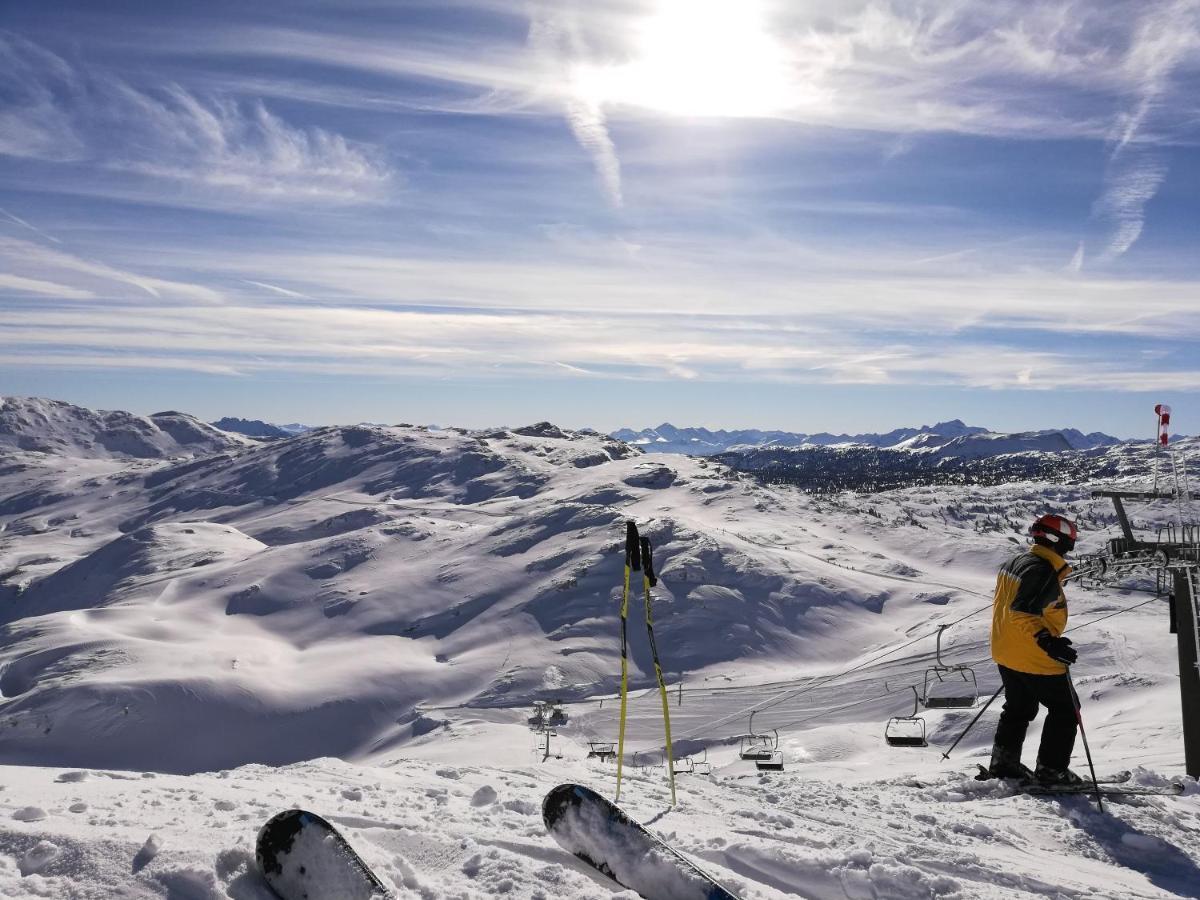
648,581
946,755
1083,734
632,564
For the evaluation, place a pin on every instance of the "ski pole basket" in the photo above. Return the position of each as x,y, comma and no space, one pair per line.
948,687
906,731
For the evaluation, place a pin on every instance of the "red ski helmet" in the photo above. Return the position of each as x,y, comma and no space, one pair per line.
1056,532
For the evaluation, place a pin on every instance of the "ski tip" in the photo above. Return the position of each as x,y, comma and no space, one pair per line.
560,798
276,836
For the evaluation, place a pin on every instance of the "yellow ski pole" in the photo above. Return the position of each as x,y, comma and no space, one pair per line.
632,563
648,581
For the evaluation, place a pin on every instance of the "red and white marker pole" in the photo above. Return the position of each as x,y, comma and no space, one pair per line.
1164,423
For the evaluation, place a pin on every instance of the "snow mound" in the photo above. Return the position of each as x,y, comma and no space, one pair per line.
111,573
54,427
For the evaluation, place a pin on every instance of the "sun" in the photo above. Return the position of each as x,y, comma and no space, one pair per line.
698,58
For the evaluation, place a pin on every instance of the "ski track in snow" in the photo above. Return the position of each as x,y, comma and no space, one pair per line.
189,643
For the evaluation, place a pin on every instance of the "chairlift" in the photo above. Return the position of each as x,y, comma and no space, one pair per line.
949,687
540,712
757,746
645,759
602,750
557,715
543,744
697,764
907,731
772,763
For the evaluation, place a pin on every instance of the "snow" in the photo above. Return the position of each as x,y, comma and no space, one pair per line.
357,621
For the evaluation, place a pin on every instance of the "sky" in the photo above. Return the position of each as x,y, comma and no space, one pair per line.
843,216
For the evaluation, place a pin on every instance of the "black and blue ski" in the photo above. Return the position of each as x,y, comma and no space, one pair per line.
601,834
302,857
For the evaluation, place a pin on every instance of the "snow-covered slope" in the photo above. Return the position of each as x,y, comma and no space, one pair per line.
52,426
398,597
252,427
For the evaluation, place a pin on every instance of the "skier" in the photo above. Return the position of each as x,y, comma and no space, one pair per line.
1029,615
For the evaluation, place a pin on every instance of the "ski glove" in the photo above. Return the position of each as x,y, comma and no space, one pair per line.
1057,648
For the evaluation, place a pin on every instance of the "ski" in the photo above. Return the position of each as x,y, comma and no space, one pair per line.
1105,790
600,833
303,857
1115,778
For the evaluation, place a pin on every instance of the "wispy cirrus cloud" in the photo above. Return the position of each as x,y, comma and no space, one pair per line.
60,112
246,340
19,285
555,38
89,278
1136,169
27,226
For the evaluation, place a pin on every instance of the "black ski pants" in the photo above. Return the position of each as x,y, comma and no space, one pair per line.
1023,693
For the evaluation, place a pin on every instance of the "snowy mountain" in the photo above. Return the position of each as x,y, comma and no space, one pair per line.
666,438
55,427
358,620
254,428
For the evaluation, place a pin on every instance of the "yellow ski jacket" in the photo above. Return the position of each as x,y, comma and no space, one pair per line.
1028,599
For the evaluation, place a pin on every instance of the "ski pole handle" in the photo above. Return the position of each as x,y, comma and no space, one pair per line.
648,563
632,548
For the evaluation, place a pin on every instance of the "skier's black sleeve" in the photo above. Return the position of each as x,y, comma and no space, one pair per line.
1038,587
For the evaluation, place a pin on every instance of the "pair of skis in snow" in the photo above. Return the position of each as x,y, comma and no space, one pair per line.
303,857
638,558
1115,785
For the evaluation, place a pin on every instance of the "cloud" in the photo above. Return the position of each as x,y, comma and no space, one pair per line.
92,278
1136,170
1076,263
1131,182
555,38
275,289
19,285
62,113
795,347
19,221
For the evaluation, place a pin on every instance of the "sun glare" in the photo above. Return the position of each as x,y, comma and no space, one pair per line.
698,58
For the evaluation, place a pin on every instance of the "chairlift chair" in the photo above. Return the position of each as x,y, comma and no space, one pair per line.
601,750
697,764
645,759
757,746
773,763
949,687
906,731
538,720
557,715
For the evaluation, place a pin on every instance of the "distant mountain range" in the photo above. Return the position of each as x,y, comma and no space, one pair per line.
53,426
946,438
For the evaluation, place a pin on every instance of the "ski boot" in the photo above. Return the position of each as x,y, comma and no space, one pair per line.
1049,777
1006,764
